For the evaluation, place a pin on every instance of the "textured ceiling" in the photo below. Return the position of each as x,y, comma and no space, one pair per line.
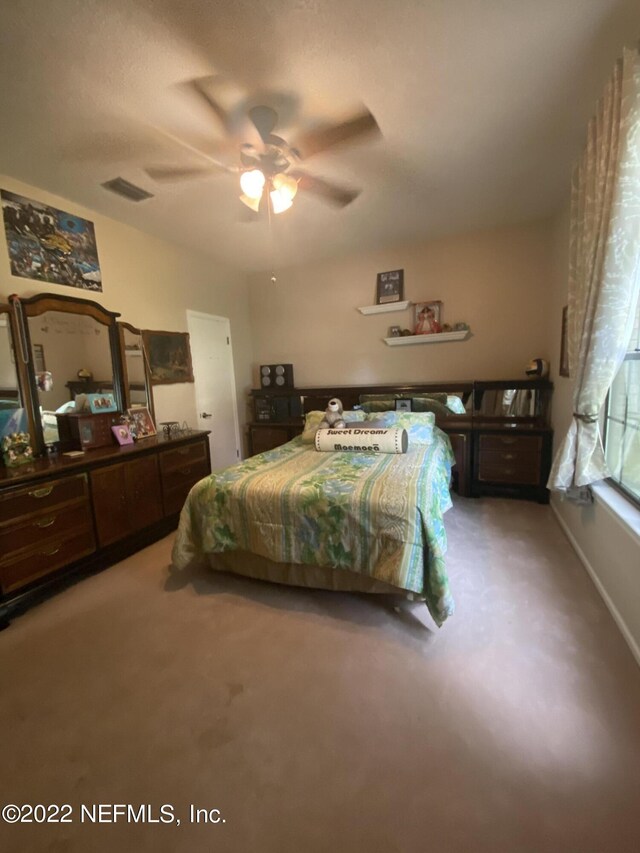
482,106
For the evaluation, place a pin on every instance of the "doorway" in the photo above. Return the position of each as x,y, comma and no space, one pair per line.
215,385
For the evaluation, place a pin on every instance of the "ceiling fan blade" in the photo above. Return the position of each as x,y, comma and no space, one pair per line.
199,85
315,141
264,120
181,173
332,193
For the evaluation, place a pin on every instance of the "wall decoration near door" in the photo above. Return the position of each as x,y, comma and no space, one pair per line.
169,356
48,244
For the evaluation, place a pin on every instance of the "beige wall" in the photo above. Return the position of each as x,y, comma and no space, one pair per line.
151,283
610,551
498,281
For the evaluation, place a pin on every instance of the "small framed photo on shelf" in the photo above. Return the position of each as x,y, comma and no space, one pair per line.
403,405
101,403
140,422
395,331
122,434
428,318
390,287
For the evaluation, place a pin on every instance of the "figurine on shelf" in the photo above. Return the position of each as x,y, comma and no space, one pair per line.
428,318
16,449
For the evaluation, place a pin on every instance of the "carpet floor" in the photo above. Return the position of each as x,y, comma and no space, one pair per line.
321,721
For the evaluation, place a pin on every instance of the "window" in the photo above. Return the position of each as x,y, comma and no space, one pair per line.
622,421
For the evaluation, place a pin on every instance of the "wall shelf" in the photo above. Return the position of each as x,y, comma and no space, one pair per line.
386,308
439,338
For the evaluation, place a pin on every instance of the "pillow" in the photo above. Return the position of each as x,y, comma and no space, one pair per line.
456,405
313,419
382,404
438,396
419,425
428,404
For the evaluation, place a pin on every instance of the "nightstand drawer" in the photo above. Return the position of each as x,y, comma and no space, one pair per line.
494,467
71,519
519,443
31,499
44,559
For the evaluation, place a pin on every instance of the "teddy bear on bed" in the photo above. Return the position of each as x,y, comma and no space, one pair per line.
333,416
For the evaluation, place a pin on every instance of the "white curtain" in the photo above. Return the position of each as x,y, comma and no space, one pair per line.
604,270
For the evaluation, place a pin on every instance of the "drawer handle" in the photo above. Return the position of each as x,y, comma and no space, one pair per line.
52,552
508,440
41,493
508,455
183,451
186,471
46,522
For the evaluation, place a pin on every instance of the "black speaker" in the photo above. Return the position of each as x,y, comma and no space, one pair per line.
276,376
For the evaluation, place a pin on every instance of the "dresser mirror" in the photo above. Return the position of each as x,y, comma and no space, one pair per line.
10,397
527,401
73,348
135,369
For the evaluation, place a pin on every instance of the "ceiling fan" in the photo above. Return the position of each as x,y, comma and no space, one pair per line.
268,165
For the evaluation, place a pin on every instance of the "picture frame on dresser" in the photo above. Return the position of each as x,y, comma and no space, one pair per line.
122,434
140,423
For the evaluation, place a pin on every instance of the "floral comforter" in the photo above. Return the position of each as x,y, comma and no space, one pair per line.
376,514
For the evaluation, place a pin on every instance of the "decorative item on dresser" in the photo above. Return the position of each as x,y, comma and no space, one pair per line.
67,512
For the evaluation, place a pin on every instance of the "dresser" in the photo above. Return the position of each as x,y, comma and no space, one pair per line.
61,516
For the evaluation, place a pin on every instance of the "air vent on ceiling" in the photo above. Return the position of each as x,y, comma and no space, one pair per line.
127,190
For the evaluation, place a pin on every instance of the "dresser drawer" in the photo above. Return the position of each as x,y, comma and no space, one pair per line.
37,498
45,558
495,467
177,484
524,443
180,457
70,520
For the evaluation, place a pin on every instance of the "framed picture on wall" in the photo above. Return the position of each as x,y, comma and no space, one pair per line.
390,287
169,356
564,350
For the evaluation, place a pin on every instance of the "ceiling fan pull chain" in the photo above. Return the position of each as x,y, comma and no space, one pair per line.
271,246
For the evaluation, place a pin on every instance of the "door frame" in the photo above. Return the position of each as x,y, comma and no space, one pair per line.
234,397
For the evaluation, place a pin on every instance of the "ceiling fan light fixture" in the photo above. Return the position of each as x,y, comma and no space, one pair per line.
280,201
252,183
286,185
253,203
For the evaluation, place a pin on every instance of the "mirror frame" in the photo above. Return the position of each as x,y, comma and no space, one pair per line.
34,306
122,326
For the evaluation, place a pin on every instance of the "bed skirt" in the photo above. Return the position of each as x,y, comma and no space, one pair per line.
294,574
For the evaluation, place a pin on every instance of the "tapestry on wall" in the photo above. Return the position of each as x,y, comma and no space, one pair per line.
48,244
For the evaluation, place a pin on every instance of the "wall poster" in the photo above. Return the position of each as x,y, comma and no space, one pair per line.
47,244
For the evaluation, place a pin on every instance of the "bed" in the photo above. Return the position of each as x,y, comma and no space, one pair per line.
353,521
